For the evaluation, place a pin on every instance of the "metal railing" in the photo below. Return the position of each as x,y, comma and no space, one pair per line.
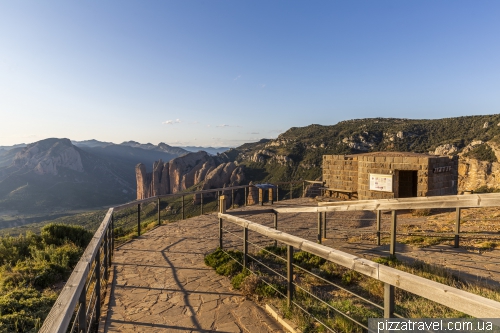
78,306
392,279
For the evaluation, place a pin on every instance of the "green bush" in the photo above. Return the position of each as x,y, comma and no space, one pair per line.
350,277
483,153
486,189
58,234
30,267
223,263
269,290
238,279
24,309
307,260
13,249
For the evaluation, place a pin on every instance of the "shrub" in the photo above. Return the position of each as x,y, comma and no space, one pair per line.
24,309
421,212
13,249
58,234
486,189
237,280
307,260
223,263
483,153
350,277
249,285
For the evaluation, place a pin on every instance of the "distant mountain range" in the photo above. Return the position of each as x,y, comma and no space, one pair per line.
149,146
210,150
54,175
57,174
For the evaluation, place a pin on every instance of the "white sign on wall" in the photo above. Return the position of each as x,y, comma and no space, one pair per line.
380,182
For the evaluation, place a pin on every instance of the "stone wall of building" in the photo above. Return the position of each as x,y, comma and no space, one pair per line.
389,164
436,175
443,176
340,172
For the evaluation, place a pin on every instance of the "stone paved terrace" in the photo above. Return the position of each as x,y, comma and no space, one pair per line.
161,283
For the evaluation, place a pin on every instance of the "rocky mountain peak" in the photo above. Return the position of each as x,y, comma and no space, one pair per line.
46,157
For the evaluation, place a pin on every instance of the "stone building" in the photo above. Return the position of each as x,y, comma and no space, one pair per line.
385,175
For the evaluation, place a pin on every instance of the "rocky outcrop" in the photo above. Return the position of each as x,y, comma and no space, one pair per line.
143,182
474,174
184,172
446,149
47,157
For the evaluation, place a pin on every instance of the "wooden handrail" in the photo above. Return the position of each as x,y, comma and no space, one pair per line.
468,303
135,202
60,315
447,201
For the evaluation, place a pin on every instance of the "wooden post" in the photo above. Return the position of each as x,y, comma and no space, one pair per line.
112,234
232,198
324,224
277,193
379,218
183,208
222,209
222,204
246,195
110,246
138,219
261,197
457,229
98,285
245,248
271,196
275,227
159,220
201,203
289,275
82,314
303,189
392,250
320,215
106,253
388,301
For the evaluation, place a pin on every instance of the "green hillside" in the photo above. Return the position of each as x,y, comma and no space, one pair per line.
305,146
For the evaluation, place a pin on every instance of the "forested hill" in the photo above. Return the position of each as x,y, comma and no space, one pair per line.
297,153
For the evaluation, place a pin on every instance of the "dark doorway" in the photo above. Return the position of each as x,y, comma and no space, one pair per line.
408,184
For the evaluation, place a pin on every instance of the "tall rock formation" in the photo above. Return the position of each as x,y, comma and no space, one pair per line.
184,172
143,181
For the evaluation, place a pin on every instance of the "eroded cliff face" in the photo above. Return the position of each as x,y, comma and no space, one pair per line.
474,173
184,172
48,156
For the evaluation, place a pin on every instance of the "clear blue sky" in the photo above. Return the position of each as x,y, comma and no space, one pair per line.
222,73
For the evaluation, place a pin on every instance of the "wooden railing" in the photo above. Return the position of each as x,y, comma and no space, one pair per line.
78,307
466,302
